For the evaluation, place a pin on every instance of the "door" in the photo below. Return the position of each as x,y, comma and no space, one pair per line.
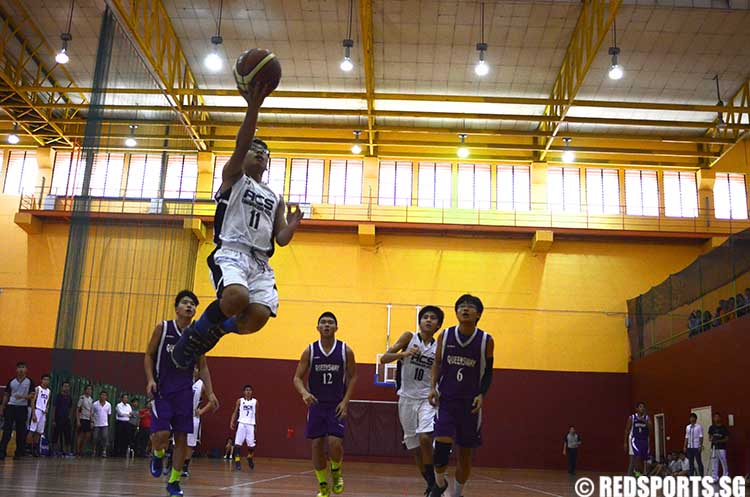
704,419
659,436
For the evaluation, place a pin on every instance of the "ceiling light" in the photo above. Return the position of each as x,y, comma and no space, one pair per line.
130,141
62,56
463,151
213,61
346,64
481,68
720,123
13,138
356,149
616,71
569,154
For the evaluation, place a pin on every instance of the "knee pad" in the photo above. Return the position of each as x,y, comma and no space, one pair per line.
442,453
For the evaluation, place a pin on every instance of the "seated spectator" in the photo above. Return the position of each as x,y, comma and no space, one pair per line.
747,299
659,469
694,323
684,466
730,308
707,320
718,316
741,304
675,466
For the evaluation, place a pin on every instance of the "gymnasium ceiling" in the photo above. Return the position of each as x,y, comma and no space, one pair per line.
413,87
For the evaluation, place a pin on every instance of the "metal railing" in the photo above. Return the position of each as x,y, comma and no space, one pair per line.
411,210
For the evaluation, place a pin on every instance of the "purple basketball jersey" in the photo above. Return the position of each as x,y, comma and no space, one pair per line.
169,379
639,428
327,381
463,364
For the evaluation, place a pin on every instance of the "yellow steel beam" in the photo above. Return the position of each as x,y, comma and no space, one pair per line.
593,24
229,92
150,29
365,20
27,69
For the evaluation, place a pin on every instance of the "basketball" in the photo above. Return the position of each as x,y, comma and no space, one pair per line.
255,66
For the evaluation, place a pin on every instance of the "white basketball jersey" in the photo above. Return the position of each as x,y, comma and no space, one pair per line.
197,392
247,411
416,371
42,398
245,216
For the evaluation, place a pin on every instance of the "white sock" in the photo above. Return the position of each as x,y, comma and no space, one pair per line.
457,488
440,479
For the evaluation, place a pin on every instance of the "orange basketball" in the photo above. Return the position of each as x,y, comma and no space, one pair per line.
257,66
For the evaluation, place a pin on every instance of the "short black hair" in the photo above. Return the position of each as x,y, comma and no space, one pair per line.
183,294
471,300
88,386
329,314
693,415
247,386
258,141
103,391
716,414
123,395
45,375
20,363
437,311
639,404
135,399
64,382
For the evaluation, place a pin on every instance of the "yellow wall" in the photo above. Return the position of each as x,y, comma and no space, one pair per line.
559,311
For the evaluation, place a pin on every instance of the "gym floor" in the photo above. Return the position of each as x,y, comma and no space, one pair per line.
272,477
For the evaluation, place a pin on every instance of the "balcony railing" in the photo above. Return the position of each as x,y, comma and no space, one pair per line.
540,216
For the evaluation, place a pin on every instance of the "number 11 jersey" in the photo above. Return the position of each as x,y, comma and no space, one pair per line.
416,371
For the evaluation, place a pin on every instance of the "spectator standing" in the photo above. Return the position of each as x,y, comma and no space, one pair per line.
100,413
694,444
143,442
83,419
61,428
133,428
15,407
719,435
122,425
571,443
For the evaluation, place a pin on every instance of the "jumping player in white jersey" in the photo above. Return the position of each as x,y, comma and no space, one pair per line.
250,220
40,404
244,413
194,438
415,353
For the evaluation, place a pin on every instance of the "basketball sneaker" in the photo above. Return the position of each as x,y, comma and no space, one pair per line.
337,481
438,491
174,490
156,466
323,490
251,463
193,344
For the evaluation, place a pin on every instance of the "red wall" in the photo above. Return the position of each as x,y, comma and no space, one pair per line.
525,415
710,369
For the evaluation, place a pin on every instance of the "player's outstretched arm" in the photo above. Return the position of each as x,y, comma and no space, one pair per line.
205,375
351,381
148,360
233,168
398,350
433,397
33,404
286,222
299,378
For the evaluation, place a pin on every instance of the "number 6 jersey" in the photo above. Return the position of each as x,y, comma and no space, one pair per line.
416,371
245,216
463,364
327,380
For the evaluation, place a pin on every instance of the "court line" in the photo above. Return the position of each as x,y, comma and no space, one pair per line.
257,481
537,490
